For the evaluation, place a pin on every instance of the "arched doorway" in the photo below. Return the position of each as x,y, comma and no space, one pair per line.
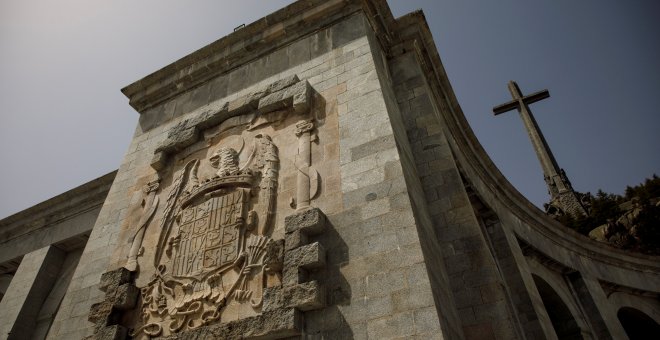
562,320
637,324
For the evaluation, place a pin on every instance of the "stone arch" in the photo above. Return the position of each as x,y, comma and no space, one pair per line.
637,314
647,305
637,324
564,320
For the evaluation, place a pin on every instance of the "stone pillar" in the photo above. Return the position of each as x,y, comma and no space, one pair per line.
27,291
511,261
598,310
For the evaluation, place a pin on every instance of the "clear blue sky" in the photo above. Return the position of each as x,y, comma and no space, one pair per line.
63,120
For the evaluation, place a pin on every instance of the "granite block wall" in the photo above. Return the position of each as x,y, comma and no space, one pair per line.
377,282
477,285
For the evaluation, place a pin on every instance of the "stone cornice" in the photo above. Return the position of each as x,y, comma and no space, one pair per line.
61,207
288,95
236,49
251,42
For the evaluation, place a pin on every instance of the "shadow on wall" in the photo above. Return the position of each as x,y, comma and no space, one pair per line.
329,322
562,320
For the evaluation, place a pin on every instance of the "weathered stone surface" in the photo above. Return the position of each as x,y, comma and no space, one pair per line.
310,222
273,324
296,96
305,296
159,160
211,115
114,332
274,257
310,256
282,83
244,104
125,296
301,259
301,94
273,298
287,94
181,136
295,239
293,276
100,312
120,295
115,278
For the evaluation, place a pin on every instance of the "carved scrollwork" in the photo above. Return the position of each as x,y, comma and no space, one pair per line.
304,126
214,238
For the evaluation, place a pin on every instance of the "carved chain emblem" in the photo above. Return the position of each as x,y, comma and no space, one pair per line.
304,126
215,234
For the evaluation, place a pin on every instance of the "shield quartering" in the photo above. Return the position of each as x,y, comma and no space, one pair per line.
210,235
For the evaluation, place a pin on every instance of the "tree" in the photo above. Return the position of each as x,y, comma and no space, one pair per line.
641,232
645,191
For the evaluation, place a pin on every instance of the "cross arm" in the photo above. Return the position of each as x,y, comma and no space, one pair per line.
515,104
505,107
534,97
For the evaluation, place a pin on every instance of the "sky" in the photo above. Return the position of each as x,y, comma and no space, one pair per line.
64,121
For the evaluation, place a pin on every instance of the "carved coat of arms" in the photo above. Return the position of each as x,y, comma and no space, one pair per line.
214,237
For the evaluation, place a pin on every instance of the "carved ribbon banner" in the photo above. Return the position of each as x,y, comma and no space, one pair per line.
151,204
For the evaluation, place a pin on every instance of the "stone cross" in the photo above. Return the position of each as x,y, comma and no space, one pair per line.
561,191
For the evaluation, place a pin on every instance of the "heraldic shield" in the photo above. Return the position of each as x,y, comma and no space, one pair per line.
210,235
211,255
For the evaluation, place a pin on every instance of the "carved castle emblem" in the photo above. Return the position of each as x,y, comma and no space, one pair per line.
212,252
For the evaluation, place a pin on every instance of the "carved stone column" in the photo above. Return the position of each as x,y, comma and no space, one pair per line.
304,130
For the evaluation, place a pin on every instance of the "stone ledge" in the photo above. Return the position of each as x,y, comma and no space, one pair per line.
114,332
310,256
289,94
40,217
310,222
273,324
305,296
295,96
298,261
113,279
299,227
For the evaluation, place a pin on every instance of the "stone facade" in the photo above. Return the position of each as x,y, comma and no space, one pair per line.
312,176
39,251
